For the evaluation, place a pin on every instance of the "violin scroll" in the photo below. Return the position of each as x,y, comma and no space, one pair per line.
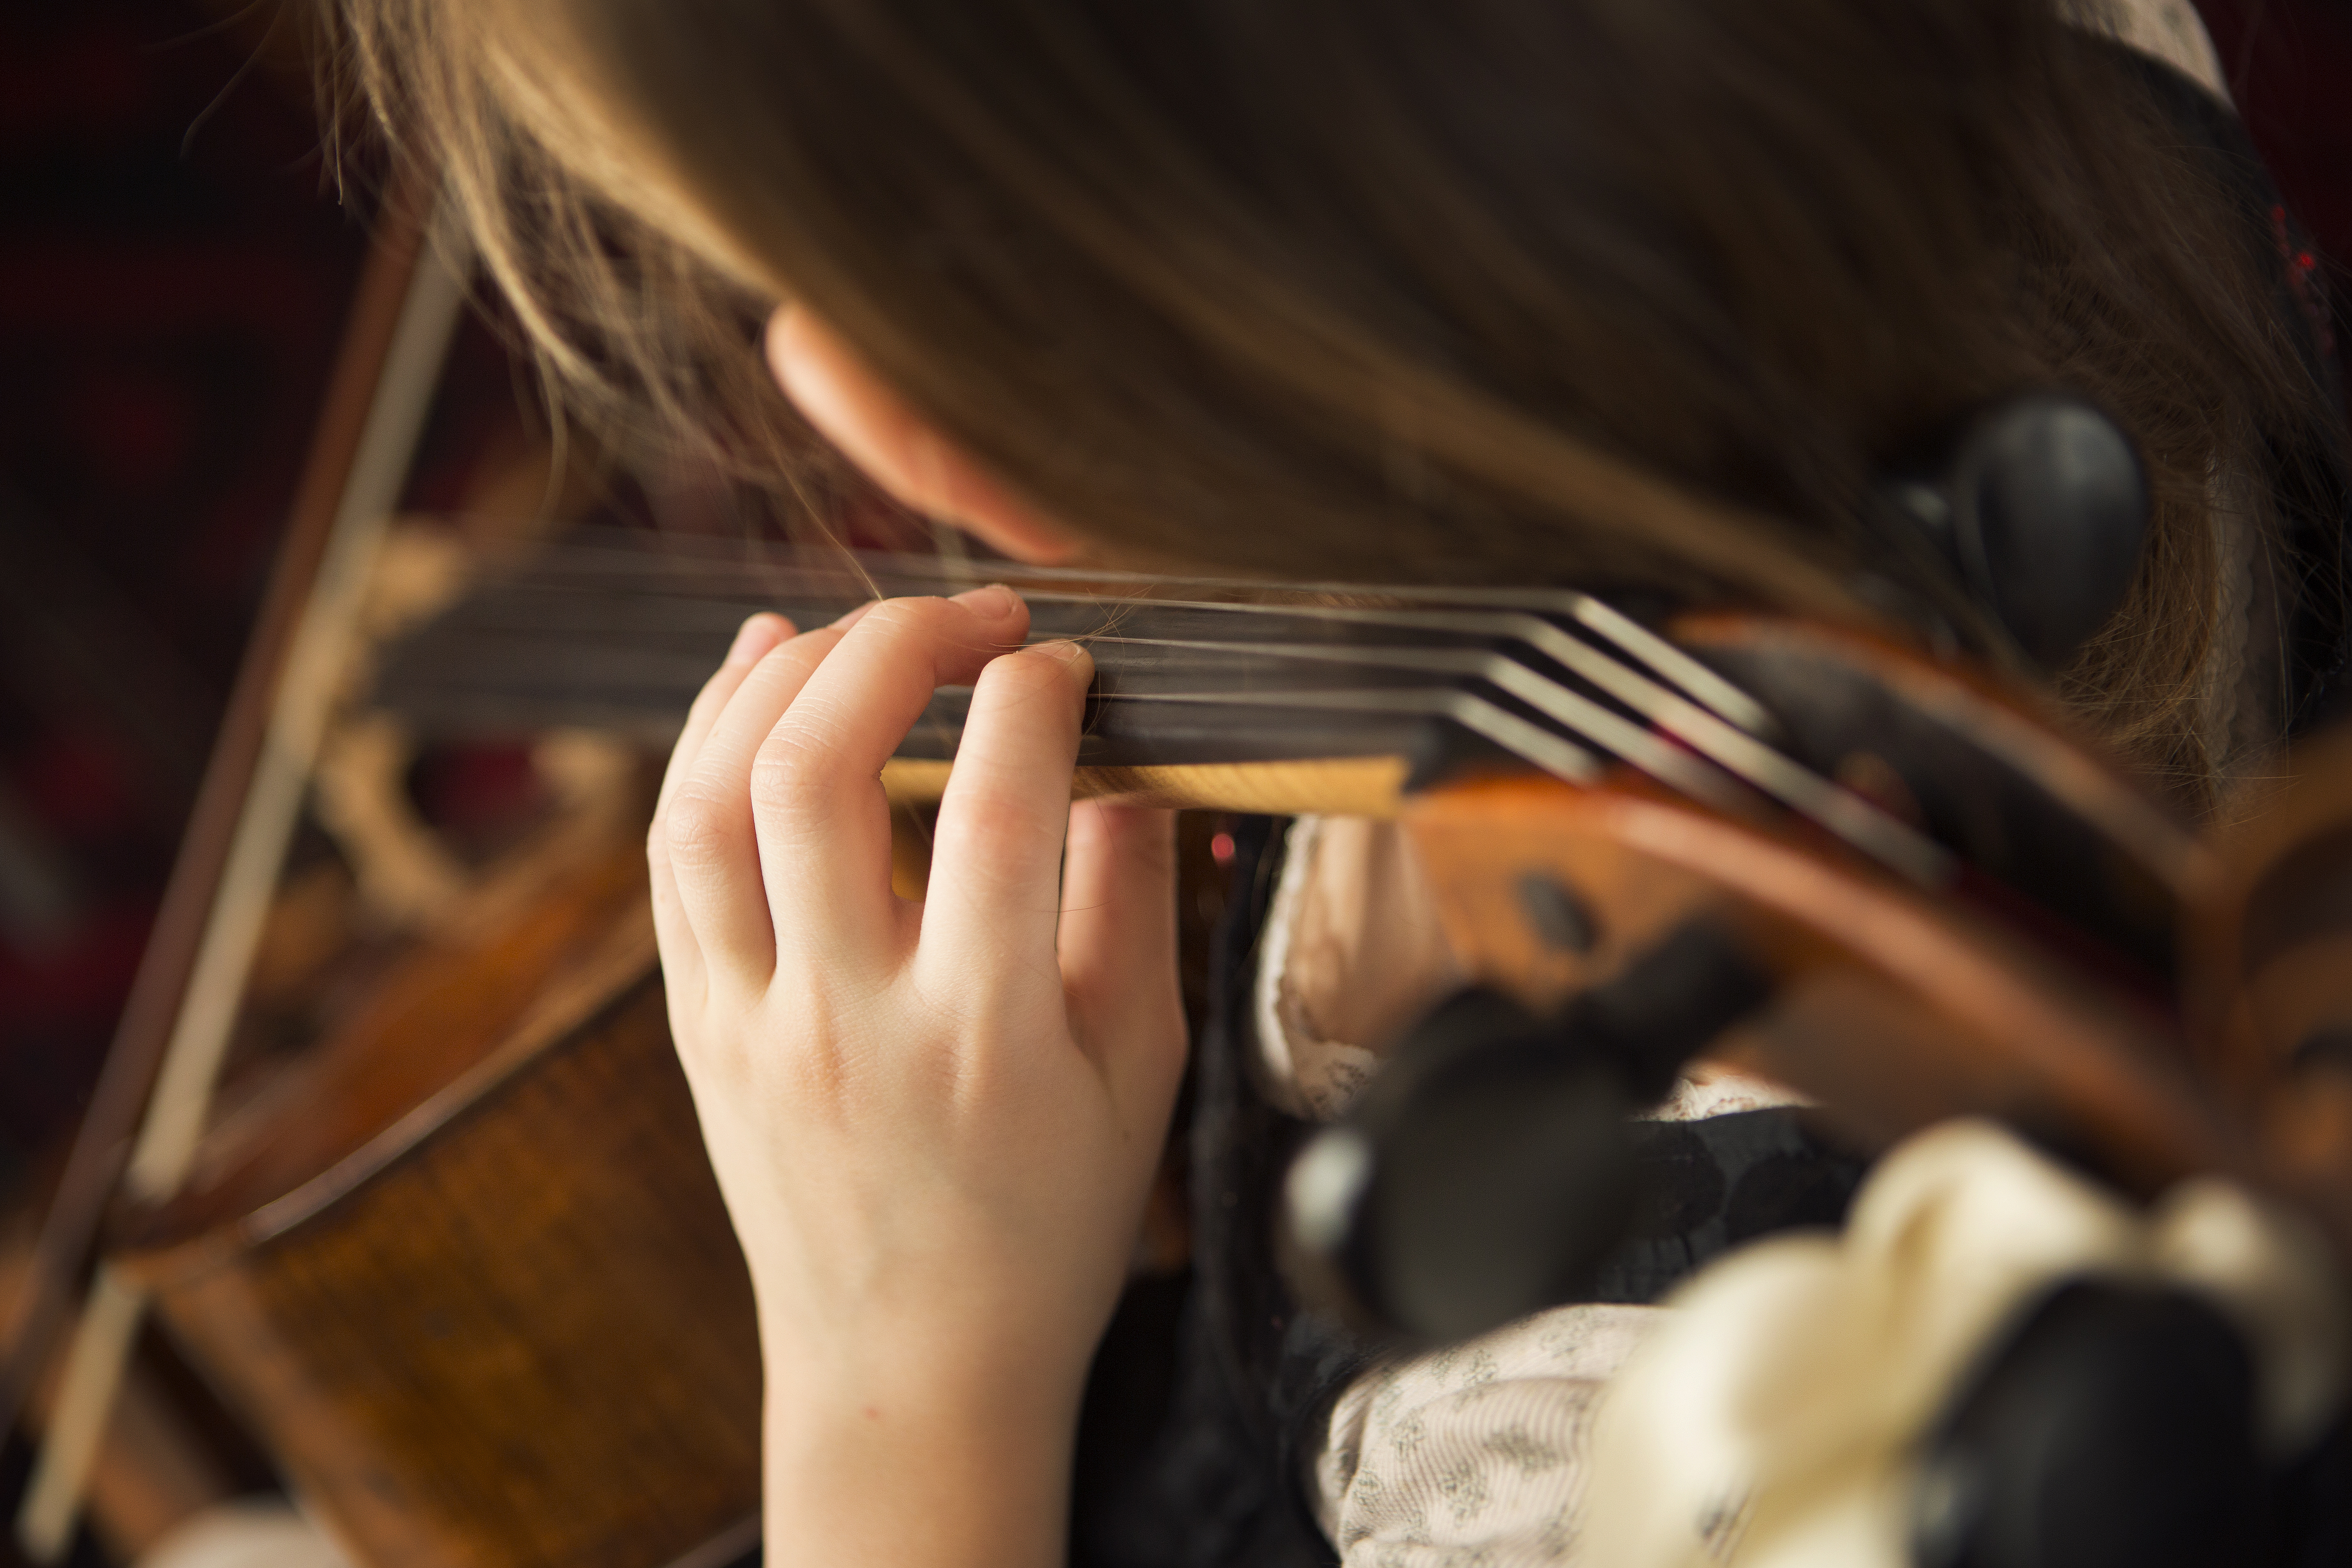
2267,974
1620,930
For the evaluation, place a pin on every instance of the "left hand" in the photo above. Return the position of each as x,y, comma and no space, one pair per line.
934,1124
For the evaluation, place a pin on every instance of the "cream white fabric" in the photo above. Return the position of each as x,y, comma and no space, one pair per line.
1768,1422
1764,1416
1707,1089
251,1532
1351,945
1476,1454
2168,29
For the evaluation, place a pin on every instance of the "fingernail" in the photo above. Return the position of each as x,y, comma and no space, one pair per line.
748,636
995,600
1067,652
855,615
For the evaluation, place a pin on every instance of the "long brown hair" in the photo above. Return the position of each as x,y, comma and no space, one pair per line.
1590,291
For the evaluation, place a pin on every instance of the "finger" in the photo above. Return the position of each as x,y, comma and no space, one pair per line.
1118,944
754,639
681,956
817,805
707,827
996,853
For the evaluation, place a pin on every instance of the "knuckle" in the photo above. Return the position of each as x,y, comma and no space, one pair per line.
696,826
758,1063
788,775
1031,669
918,615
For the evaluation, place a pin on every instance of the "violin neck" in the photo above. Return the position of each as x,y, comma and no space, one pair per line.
1349,787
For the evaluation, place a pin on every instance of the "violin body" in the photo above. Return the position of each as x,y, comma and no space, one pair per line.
467,1270
469,1273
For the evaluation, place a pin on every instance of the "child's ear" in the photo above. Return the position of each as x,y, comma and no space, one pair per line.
865,416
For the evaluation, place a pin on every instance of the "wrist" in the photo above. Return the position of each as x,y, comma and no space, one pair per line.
913,1388
916,1466
977,1354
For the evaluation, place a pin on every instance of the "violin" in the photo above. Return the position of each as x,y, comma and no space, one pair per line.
1900,832
1886,880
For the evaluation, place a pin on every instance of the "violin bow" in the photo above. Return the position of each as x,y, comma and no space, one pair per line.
148,1109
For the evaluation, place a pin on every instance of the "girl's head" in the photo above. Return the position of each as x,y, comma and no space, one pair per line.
1601,291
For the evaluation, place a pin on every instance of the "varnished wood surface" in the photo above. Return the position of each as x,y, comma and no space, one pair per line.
2268,955
415,1054
1895,1010
1347,787
2001,718
468,1273
528,1341
2268,975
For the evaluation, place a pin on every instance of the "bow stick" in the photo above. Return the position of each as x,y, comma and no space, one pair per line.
174,1030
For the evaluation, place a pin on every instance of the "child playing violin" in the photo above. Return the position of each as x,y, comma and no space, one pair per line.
1642,293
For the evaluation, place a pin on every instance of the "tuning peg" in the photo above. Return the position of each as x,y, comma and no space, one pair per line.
1487,1171
2114,1429
2042,508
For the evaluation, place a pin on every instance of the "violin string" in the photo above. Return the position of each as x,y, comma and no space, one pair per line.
1830,804
1731,749
623,551
691,595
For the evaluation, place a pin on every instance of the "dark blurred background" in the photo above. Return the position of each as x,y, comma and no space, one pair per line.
175,266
